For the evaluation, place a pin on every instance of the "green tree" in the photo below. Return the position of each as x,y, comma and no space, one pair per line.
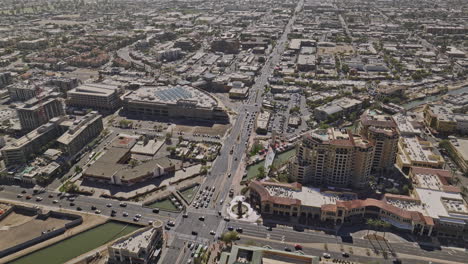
229,237
261,172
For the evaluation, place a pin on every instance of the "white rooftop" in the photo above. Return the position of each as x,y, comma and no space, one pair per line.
310,196
439,204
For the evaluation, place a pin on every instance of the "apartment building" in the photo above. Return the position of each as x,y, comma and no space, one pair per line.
333,157
80,133
34,113
20,151
380,129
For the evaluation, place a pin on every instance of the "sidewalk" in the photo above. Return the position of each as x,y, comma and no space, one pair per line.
357,251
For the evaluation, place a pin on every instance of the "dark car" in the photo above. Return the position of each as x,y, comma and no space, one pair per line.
156,210
239,230
287,249
79,208
93,207
72,204
195,233
230,228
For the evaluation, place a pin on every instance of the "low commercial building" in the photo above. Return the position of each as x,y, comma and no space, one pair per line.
80,133
337,108
229,46
181,102
306,62
416,152
294,121
141,247
95,96
34,112
264,255
408,124
239,93
444,121
261,124
459,149
115,166
435,210
21,150
32,44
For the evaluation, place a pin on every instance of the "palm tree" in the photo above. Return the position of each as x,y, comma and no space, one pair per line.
370,224
385,225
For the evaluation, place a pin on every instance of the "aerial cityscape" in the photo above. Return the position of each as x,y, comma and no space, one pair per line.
233,132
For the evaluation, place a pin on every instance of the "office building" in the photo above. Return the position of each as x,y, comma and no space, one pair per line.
80,133
5,79
142,247
34,112
21,150
95,96
381,131
333,158
181,102
21,91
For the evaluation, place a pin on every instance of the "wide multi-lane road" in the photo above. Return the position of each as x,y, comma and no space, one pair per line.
226,164
52,200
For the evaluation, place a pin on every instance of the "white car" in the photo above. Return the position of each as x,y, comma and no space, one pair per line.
326,255
212,232
55,201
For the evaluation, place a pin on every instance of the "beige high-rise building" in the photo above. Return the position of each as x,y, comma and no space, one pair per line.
333,157
380,129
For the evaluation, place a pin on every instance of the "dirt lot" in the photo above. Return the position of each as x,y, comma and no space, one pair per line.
83,74
17,228
214,130
345,49
89,221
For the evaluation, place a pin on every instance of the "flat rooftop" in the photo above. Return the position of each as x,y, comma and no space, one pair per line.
419,151
95,89
138,241
310,196
407,124
461,145
173,95
443,205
